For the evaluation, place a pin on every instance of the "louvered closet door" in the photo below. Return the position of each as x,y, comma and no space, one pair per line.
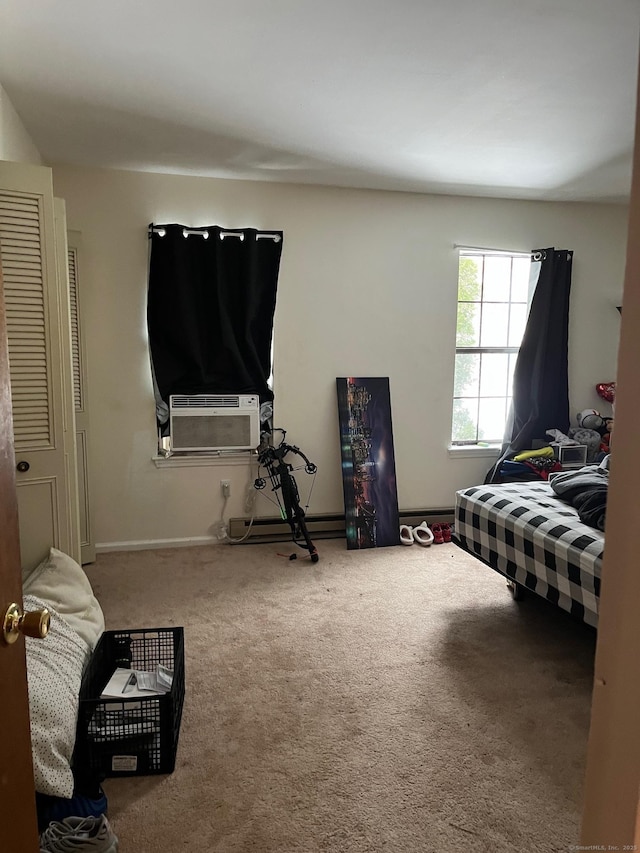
38,328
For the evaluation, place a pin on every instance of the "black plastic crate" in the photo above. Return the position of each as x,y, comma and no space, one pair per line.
138,736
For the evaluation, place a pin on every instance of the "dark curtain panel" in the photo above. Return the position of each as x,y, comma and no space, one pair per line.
210,309
540,382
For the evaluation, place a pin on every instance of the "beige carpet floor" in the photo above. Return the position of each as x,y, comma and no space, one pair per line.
393,699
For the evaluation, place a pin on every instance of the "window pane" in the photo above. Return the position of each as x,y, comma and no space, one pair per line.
517,323
465,420
497,279
492,418
468,328
520,279
495,320
470,278
467,376
494,375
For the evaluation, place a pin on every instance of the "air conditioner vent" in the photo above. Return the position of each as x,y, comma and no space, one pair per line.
204,401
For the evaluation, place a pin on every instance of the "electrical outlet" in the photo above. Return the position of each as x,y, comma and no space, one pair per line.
225,485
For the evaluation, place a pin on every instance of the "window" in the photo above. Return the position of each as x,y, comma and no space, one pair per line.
210,310
493,298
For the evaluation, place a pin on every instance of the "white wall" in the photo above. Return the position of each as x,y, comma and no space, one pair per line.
15,143
367,288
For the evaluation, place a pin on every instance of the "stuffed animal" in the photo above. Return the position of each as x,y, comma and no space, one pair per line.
605,444
590,419
590,437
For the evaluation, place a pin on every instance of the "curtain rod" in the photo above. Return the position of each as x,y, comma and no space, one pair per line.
485,249
161,230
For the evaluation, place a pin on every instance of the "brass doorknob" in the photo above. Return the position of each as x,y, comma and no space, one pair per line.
34,623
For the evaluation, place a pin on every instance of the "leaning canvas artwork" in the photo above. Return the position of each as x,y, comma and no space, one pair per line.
368,462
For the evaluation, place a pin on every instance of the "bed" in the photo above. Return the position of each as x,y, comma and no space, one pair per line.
55,666
536,540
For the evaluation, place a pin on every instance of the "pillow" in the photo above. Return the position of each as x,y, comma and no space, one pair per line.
60,581
54,673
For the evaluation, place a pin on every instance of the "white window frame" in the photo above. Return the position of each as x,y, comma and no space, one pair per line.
457,444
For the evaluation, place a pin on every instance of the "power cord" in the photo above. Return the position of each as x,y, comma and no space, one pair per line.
220,527
250,498
221,531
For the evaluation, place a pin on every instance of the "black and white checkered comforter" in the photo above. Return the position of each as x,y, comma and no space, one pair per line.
523,531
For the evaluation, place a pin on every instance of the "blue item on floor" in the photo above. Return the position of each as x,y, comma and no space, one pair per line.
58,808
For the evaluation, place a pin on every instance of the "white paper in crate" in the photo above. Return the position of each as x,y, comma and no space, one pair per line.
135,683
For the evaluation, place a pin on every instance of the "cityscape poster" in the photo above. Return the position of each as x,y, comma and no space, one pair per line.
368,463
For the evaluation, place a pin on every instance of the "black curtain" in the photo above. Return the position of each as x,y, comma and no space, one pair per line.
540,382
210,308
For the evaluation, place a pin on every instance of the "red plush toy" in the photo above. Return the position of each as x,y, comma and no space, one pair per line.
605,445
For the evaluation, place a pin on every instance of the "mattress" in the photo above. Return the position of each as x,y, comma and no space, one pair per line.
525,532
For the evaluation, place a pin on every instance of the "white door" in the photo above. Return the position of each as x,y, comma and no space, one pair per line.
38,330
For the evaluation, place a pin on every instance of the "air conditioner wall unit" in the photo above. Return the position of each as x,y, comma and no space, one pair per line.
214,422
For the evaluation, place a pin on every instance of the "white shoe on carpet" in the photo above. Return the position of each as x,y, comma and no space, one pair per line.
406,534
423,534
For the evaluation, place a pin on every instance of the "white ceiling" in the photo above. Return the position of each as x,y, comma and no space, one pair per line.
511,98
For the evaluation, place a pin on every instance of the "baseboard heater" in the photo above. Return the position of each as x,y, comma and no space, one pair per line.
321,526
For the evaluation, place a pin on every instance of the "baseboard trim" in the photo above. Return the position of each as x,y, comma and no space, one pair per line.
321,526
272,529
151,544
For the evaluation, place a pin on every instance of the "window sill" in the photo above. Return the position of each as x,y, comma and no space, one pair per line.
474,451
203,460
